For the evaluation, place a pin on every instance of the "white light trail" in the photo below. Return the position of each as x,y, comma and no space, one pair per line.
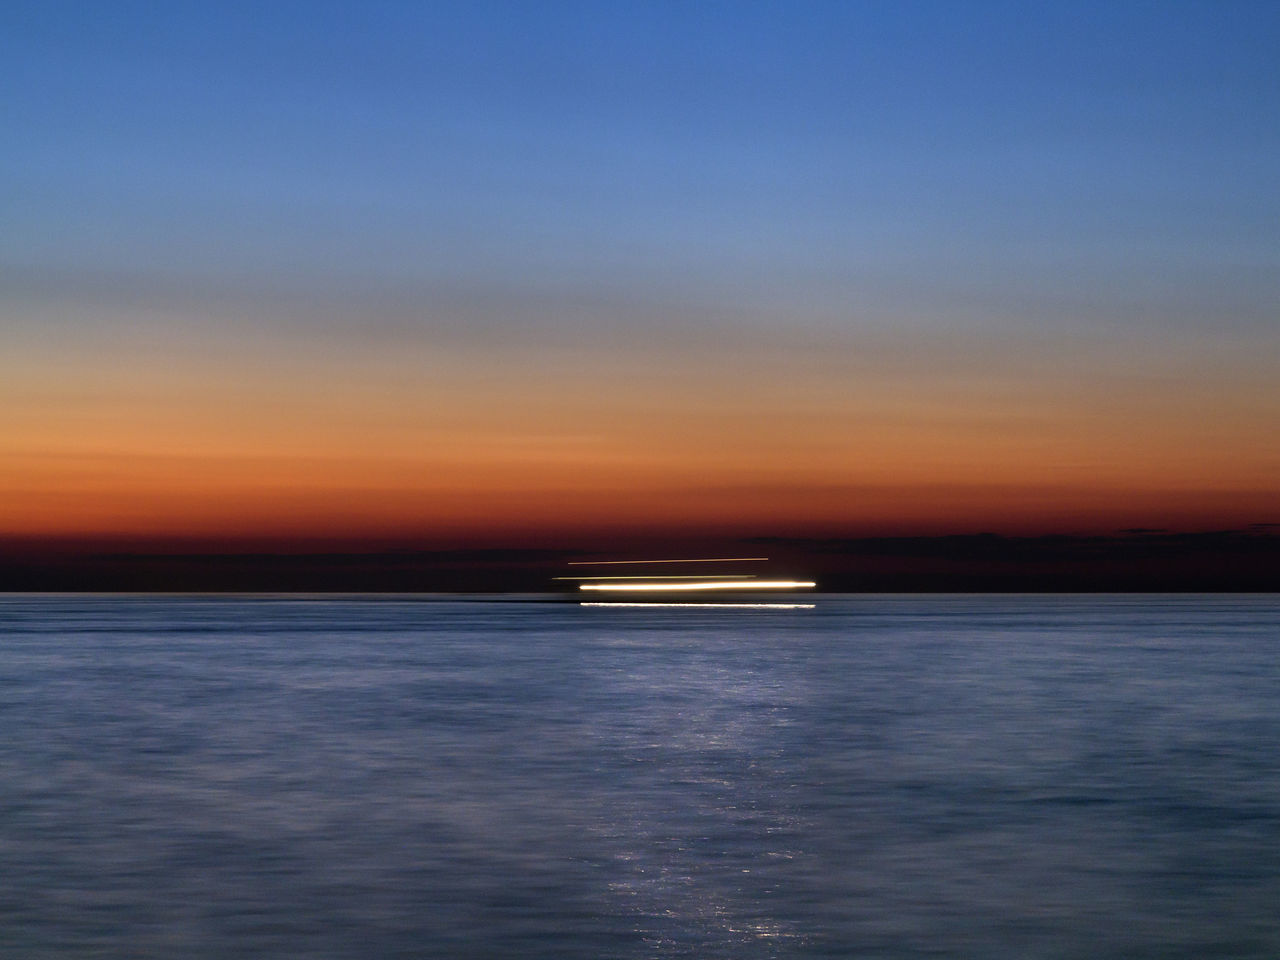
703,585
676,576
718,606
593,563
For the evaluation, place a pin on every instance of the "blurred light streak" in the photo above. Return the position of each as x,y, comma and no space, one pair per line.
707,585
676,576
593,563
738,606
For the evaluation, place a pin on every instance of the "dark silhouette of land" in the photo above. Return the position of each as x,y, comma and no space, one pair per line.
1127,560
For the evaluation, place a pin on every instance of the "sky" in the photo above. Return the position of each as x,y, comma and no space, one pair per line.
519,273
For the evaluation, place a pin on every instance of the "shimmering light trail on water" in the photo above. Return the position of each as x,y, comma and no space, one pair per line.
896,778
740,606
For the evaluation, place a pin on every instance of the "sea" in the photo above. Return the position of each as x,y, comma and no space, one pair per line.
1050,776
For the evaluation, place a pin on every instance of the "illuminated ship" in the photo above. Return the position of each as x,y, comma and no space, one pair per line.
658,587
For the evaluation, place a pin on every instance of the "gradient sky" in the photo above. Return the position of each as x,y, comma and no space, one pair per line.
503,271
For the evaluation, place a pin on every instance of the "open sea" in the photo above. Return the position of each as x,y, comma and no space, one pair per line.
420,777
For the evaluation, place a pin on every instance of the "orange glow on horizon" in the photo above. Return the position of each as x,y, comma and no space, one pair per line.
281,439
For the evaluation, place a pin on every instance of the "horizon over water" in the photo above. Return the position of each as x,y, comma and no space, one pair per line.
405,776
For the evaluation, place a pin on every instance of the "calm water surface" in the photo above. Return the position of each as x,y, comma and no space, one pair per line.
879,777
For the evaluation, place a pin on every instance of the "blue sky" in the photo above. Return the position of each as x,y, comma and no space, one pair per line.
951,162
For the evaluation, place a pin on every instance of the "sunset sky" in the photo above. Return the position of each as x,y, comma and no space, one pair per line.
520,272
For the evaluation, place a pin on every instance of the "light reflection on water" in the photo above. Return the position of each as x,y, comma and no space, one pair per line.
722,606
876,777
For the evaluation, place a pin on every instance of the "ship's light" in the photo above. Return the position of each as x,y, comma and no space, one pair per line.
702,585
592,563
